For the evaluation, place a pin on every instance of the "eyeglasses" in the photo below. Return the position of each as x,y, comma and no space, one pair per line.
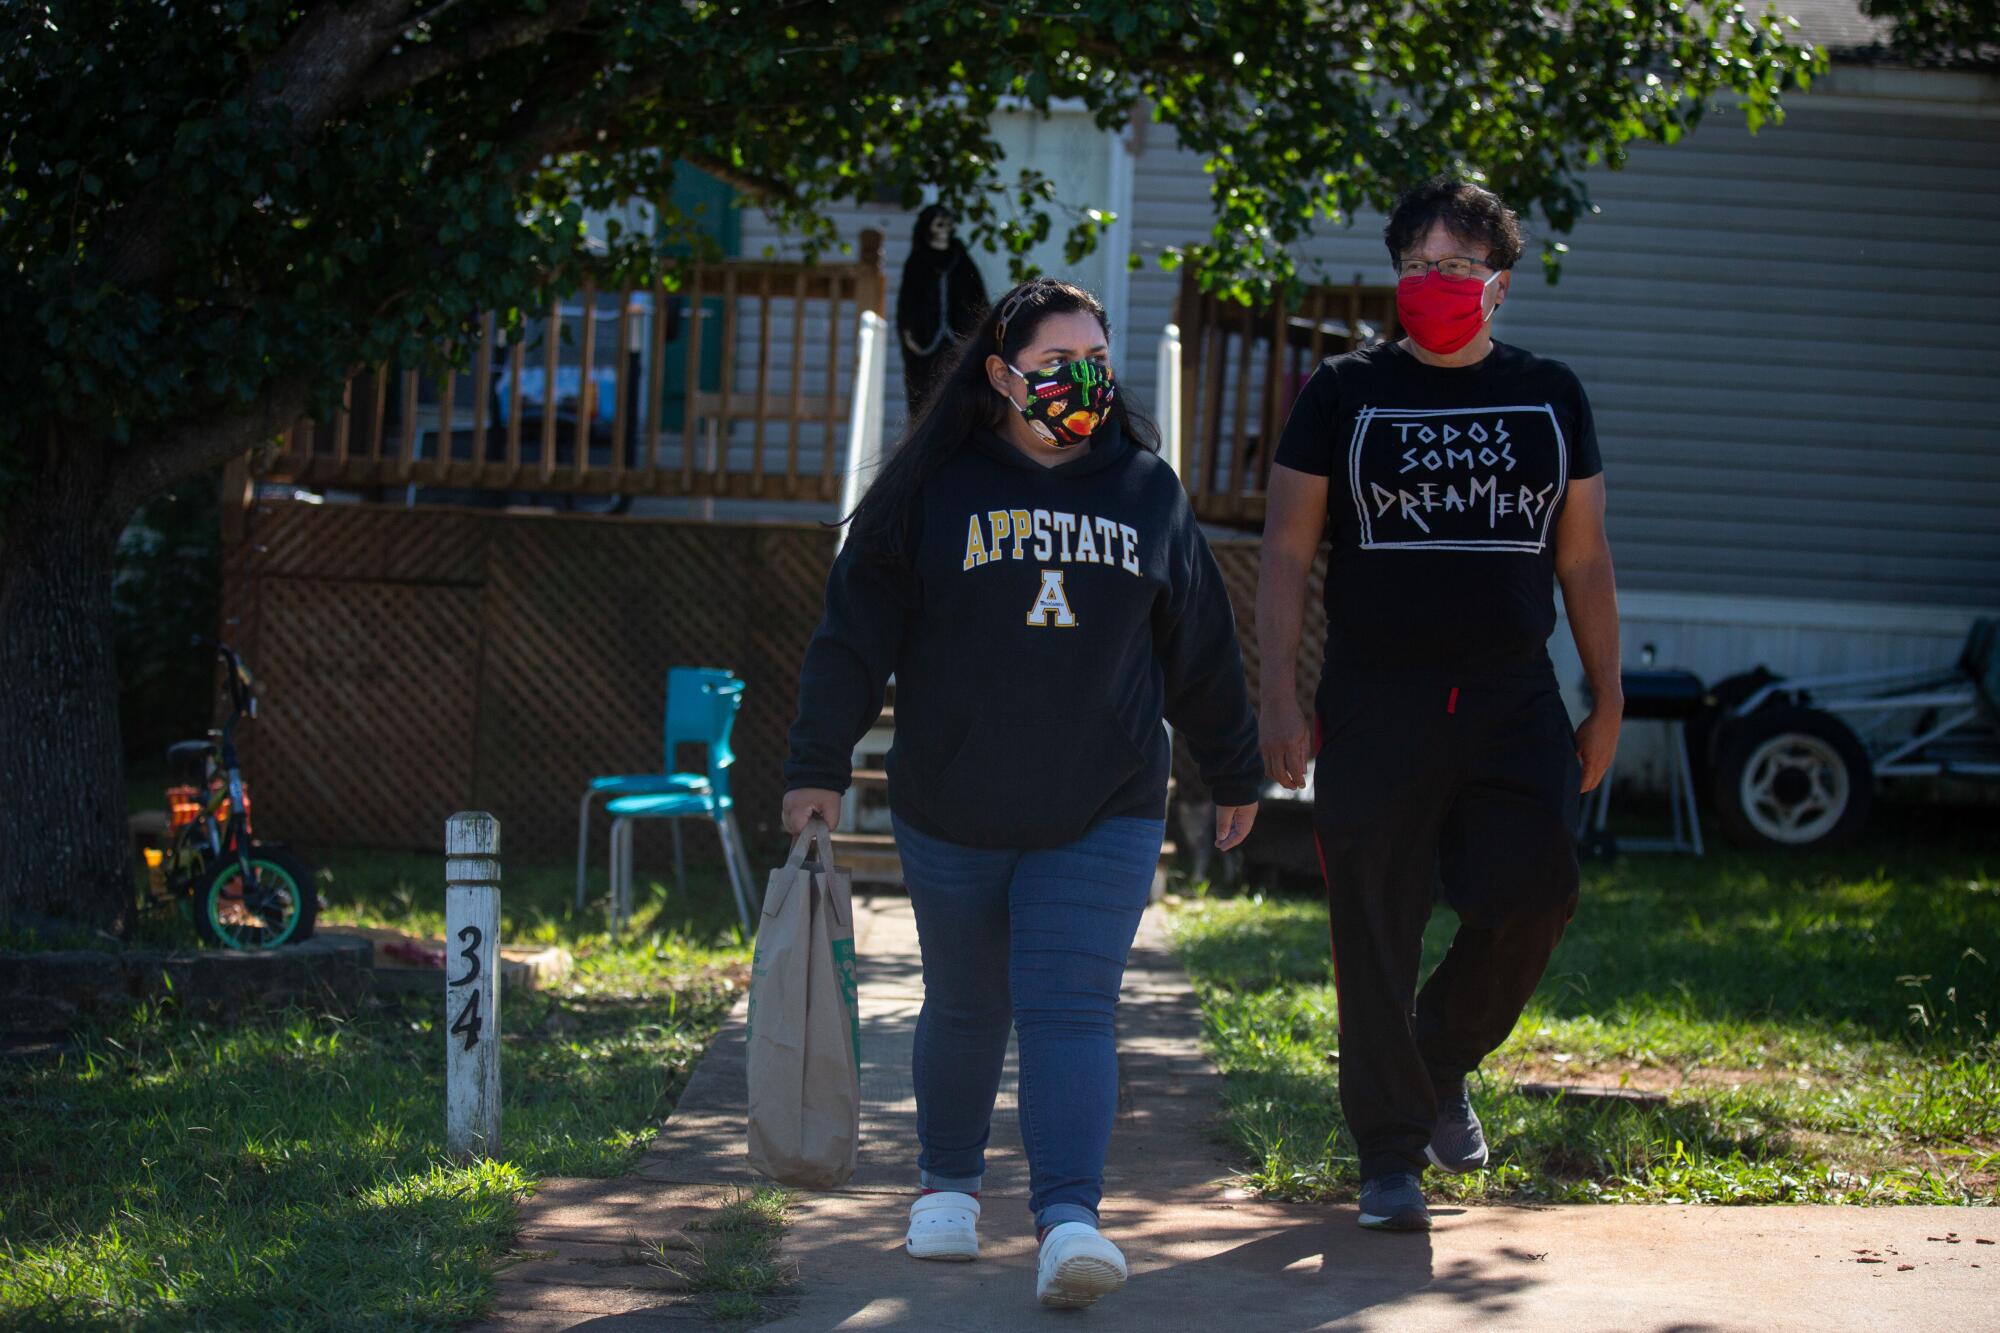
1455,266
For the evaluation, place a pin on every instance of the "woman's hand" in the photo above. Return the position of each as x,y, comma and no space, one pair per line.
802,803
1232,825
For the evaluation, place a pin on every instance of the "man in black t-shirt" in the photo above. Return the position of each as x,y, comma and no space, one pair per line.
1457,479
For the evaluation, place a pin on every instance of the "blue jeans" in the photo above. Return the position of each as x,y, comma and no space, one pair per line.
1036,940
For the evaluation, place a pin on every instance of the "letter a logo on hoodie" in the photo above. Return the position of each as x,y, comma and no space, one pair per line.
1052,598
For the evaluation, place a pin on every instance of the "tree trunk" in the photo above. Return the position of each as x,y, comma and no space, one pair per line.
64,850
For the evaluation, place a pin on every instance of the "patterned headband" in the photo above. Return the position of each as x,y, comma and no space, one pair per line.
1012,308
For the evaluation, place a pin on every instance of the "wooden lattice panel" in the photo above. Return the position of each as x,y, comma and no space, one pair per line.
585,619
790,591
368,542
513,658
1238,561
365,727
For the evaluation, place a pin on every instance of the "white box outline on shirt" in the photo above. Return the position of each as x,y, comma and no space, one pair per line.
1368,414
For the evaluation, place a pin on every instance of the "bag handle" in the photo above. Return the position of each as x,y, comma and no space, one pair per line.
815,830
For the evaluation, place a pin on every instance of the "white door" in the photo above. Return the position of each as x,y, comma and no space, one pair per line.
1091,169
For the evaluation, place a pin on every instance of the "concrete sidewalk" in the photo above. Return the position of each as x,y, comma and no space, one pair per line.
1204,1256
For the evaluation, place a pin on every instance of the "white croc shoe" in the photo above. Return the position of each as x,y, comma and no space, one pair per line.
1077,1266
944,1225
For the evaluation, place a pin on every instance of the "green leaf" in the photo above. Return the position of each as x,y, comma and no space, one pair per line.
311,248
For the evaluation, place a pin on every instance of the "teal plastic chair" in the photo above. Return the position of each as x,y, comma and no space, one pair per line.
689,721
719,701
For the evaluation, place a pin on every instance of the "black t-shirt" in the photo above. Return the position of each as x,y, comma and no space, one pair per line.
1446,483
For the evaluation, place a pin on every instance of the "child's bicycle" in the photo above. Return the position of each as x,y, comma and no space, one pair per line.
243,894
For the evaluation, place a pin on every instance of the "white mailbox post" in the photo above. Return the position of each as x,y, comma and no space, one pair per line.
472,985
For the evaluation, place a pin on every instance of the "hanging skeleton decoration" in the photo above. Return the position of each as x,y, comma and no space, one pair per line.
940,300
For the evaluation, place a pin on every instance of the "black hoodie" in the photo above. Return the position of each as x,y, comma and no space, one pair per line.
1049,618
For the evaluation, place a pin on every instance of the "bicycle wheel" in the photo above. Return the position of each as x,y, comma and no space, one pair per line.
275,906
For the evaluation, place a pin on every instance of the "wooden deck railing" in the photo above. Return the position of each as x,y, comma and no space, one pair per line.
738,383
1241,370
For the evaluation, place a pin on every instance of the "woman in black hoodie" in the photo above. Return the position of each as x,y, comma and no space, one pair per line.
1030,570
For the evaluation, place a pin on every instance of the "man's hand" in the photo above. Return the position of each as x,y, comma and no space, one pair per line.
1232,825
1285,740
802,803
1596,742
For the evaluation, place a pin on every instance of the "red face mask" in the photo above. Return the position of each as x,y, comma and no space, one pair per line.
1442,313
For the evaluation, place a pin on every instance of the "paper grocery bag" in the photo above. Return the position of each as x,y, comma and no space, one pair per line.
805,1023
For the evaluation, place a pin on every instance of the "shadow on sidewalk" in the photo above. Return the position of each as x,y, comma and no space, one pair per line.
1317,1271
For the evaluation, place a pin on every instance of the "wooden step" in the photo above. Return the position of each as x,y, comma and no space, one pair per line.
865,844
869,858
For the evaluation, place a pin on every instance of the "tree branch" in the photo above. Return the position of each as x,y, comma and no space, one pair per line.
421,63
558,117
196,448
572,130
310,77
431,15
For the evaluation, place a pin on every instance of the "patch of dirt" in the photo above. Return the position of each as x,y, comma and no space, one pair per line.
1865,1155
1986,1180
1586,1073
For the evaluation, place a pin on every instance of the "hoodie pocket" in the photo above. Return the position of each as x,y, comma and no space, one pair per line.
1031,782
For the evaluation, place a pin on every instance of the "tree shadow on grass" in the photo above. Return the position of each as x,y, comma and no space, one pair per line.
1832,940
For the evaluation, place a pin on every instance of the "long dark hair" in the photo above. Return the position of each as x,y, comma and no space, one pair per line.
962,401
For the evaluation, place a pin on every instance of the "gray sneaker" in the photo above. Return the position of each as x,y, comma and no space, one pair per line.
1458,1141
1394,1203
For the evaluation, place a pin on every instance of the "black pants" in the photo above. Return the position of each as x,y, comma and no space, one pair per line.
1471,783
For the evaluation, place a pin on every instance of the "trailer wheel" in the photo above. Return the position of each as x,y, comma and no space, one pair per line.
1704,733
1791,777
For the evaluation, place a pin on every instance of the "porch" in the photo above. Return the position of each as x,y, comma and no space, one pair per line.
425,652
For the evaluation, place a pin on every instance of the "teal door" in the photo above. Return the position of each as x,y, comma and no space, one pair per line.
710,206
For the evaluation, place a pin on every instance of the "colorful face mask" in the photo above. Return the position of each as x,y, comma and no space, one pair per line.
1067,403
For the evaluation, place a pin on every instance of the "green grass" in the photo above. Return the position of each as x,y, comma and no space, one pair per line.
1825,1027
288,1172
730,1261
